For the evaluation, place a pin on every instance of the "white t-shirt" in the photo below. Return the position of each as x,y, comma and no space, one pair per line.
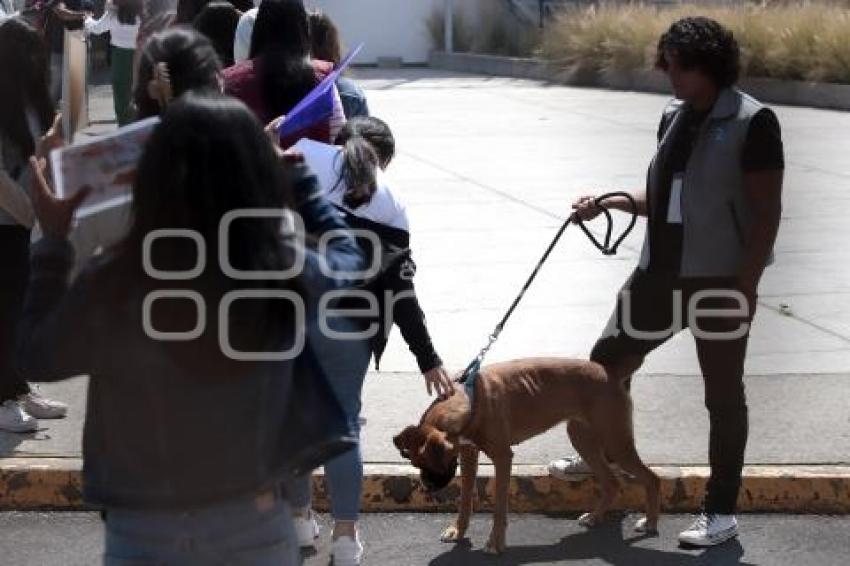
242,38
121,35
325,162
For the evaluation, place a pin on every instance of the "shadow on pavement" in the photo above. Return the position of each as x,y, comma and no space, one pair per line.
605,543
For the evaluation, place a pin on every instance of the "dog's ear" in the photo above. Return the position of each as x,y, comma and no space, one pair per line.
437,448
406,440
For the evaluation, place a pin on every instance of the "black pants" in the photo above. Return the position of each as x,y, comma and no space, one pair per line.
647,302
14,277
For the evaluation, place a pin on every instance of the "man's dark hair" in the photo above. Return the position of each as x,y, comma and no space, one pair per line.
704,44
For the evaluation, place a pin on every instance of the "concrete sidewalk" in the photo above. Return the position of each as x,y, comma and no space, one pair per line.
488,167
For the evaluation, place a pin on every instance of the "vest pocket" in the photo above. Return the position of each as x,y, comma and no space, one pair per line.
735,222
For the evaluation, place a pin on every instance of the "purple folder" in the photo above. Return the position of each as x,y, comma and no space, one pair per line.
318,105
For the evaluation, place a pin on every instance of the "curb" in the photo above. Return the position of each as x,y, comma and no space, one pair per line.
28,484
774,91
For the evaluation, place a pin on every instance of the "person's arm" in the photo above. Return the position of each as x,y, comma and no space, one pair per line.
61,11
586,209
764,195
101,25
763,163
54,341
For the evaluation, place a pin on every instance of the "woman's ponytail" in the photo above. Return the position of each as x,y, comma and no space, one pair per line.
359,171
367,145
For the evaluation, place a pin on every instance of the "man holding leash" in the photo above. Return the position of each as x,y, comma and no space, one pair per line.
713,202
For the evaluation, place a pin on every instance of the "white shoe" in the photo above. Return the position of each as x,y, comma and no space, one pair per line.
41,407
307,529
575,469
13,418
710,529
347,551
572,468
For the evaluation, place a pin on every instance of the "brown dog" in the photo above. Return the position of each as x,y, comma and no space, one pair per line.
515,401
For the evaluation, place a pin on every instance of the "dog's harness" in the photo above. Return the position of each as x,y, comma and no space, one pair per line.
470,374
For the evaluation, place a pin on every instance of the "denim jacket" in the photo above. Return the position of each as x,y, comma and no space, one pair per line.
154,436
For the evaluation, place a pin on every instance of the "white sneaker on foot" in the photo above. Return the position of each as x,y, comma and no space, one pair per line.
710,529
41,407
572,468
13,418
307,529
575,469
347,551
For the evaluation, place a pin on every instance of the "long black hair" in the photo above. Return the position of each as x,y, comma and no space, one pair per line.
282,24
129,12
218,21
210,156
368,144
23,84
281,46
192,63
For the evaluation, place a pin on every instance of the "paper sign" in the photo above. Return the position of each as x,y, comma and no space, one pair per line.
106,164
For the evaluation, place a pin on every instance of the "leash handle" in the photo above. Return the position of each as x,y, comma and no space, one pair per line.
606,247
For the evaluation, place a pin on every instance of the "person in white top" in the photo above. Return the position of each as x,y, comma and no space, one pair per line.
121,19
351,174
244,31
26,114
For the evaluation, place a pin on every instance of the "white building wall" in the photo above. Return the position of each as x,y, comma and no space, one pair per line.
389,28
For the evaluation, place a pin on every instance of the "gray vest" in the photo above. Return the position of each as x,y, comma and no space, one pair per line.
715,213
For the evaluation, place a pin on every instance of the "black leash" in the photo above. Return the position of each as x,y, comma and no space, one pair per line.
606,247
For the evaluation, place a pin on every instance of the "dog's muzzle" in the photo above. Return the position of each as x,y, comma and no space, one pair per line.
434,481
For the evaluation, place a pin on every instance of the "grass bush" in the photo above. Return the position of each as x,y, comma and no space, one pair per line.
790,40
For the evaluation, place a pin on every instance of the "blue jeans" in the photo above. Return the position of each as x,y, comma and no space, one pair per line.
346,363
253,530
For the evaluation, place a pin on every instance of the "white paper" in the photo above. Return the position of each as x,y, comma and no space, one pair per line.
106,164
674,211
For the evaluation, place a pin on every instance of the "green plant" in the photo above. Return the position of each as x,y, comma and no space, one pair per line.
789,40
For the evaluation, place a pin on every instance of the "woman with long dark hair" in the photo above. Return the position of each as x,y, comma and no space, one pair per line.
280,72
121,19
326,45
173,62
218,20
26,114
189,429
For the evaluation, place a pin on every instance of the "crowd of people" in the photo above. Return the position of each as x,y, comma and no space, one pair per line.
179,429
195,455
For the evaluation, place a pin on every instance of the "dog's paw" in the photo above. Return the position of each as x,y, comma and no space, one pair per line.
589,520
451,534
642,526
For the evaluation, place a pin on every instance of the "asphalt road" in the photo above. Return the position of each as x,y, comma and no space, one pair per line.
69,539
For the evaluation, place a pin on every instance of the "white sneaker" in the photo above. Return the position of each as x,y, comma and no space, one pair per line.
307,529
575,469
41,407
13,418
347,551
710,529
572,468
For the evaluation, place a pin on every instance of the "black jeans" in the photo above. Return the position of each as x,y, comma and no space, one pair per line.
648,302
14,277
